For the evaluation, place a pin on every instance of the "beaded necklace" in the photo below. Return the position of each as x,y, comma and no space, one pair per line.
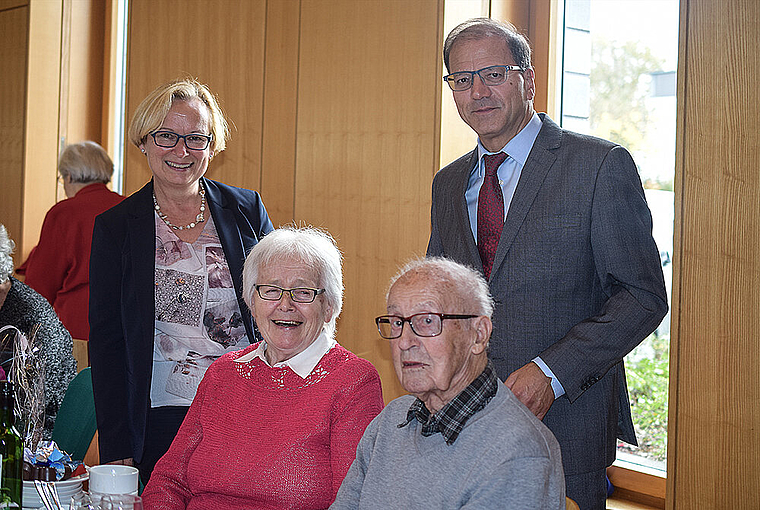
199,218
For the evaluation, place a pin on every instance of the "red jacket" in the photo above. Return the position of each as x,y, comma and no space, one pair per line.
59,266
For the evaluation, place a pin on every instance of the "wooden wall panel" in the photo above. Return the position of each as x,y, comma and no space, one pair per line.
369,93
84,99
13,41
81,93
280,107
714,420
42,119
222,45
336,108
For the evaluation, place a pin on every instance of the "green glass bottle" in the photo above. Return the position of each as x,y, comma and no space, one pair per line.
11,451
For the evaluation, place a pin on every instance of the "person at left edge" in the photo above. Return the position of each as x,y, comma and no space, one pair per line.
24,309
59,266
166,277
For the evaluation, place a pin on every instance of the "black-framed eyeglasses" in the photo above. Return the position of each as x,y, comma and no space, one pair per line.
425,324
168,139
299,294
491,75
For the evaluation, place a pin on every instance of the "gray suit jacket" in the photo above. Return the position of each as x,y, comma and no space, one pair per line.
576,279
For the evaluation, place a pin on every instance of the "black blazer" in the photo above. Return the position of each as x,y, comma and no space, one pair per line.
122,303
576,279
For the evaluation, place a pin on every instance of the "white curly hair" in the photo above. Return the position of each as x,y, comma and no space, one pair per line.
6,249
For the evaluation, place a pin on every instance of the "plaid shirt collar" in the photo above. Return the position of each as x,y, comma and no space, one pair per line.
450,420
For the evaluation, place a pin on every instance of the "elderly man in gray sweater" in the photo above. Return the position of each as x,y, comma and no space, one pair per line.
461,439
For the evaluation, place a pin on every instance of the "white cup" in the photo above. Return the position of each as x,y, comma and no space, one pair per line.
113,479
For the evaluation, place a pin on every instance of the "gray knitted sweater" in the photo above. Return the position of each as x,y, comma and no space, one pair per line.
23,308
503,458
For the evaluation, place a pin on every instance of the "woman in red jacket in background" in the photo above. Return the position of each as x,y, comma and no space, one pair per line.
59,266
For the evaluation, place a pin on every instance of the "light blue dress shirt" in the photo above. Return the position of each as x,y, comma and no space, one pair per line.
517,150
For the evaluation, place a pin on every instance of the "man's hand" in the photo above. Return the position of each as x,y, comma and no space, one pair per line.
533,388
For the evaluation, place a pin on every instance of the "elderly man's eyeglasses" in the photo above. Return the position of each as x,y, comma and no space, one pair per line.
299,294
423,324
491,75
169,139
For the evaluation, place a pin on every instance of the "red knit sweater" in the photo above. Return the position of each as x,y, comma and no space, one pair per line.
261,437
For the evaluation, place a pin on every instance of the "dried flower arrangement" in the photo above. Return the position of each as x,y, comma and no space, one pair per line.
27,373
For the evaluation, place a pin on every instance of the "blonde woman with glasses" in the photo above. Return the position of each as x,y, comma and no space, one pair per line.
166,277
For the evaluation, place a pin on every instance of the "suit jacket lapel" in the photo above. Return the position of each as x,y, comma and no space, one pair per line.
540,160
462,215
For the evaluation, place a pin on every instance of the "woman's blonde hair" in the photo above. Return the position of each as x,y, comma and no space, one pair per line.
152,111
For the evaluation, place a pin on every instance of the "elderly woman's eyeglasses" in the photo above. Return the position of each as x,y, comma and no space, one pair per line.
491,76
423,324
299,294
169,139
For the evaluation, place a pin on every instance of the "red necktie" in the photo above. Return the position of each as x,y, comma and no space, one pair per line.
490,212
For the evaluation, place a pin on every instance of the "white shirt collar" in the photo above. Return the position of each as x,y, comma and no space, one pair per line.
303,362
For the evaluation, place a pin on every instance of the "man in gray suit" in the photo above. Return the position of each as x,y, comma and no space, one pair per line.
560,227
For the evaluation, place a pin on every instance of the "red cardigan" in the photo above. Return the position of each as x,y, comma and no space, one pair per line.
262,437
59,266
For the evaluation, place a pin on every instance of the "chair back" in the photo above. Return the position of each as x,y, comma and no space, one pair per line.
75,423
571,505
81,353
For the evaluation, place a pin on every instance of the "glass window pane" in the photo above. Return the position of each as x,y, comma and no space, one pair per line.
618,82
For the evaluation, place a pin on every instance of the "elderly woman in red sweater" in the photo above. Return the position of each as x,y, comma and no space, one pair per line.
59,266
275,426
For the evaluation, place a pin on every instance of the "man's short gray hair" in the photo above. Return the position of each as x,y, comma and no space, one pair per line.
466,284
314,247
6,249
480,28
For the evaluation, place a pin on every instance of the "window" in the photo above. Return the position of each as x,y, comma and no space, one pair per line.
117,93
618,82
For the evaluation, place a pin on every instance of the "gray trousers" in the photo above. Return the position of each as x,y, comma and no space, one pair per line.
589,490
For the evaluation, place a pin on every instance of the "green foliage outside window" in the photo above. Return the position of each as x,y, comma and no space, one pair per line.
618,96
